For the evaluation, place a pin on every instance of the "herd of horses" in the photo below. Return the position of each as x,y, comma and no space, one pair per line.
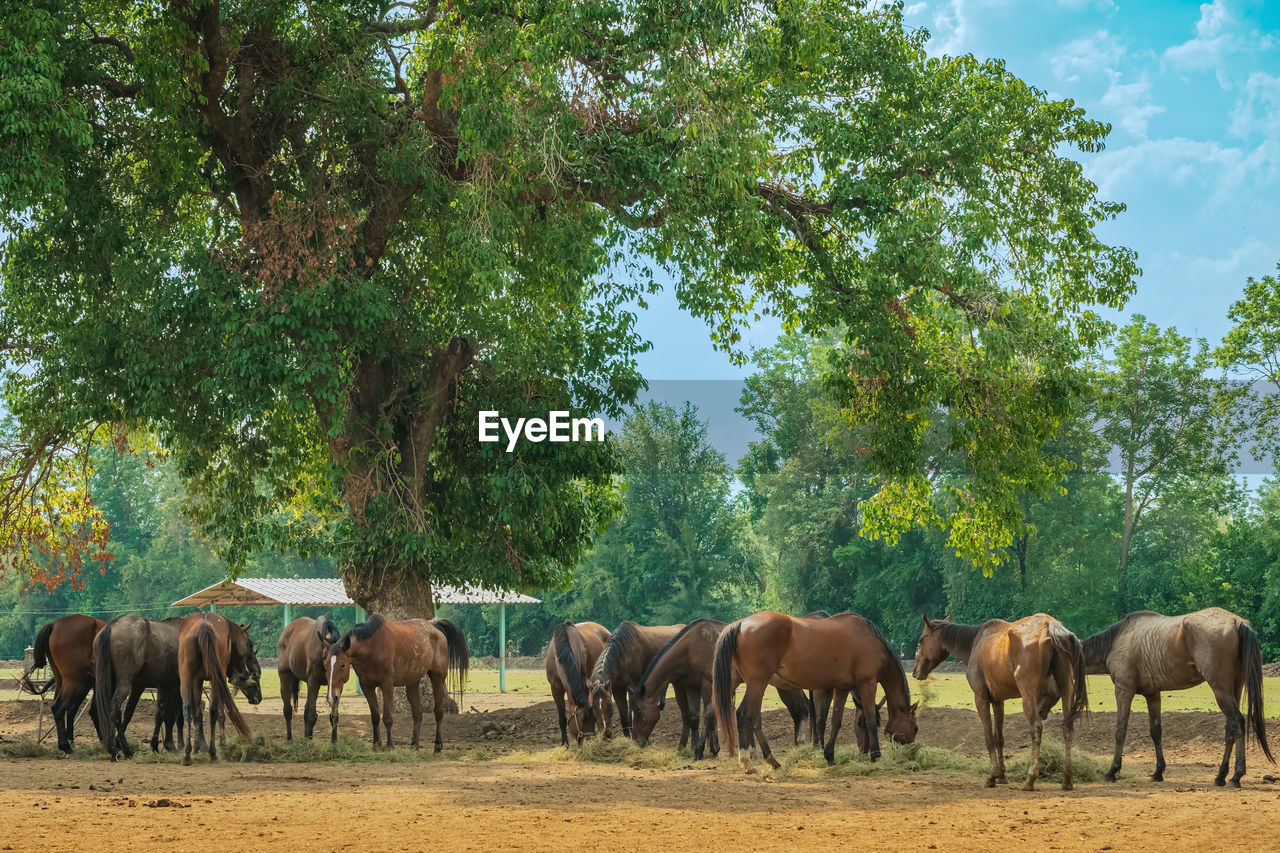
617,681
596,675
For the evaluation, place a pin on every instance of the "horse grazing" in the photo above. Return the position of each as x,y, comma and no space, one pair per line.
1036,659
1148,652
213,649
392,654
844,653
571,658
301,655
66,646
132,654
626,655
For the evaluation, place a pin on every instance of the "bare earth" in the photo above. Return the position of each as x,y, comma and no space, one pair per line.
469,804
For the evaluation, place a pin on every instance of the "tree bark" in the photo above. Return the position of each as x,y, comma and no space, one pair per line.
1122,576
395,592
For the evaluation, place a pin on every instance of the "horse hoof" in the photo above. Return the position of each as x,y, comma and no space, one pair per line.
1155,777
991,782
745,763
1030,786
186,761
1235,783
1067,786
875,756
1221,781
773,762
1000,780
1111,776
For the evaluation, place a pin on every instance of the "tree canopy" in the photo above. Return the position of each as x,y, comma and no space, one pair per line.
304,244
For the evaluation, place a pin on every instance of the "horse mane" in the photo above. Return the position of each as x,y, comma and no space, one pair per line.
1097,647
893,653
959,636
653,662
625,641
562,648
365,630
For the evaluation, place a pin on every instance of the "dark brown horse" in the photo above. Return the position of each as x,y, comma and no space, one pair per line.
1146,653
300,659
1035,659
387,655
843,653
133,654
212,648
571,658
66,646
685,664
618,670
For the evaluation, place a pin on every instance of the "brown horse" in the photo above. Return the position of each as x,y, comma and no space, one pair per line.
571,658
618,670
301,655
685,663
212,648
131,655
66,646
844,653
387,655
1035,659
1146,653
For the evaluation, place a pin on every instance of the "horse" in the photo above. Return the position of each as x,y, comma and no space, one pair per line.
844,653
389,654
1148,652
627,653
685,662
571,658
301,659
132,654
1035,659
66,646
210,648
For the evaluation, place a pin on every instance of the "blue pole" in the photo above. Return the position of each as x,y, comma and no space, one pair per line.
502,648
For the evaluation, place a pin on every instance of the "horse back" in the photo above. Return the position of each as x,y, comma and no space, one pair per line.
71,645
299,650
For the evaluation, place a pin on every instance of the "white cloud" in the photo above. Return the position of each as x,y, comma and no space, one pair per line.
1126,102
1219,169
1213,41
1252,258
1094,54
1257,110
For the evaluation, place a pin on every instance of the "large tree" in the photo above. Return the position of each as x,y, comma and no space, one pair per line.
304,243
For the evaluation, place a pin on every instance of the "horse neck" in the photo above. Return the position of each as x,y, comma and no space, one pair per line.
893,681
958,639
1095,654
664,668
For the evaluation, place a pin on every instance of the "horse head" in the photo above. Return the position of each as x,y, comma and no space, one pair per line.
902,726
602,706
931,651
337,666
244,671
645,710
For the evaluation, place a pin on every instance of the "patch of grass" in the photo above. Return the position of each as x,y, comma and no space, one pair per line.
1084,767
894,760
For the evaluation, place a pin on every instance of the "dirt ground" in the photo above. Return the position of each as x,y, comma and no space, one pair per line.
494,790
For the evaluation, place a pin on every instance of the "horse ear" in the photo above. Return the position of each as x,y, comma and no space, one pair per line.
245,627
914,705
926,620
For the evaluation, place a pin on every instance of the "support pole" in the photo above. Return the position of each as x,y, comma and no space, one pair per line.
288,613
502,648
213,608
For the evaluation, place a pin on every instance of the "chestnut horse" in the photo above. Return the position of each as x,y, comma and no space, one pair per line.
626,655
212,648
571,658
387,655
66,646
301,654
1035,659
844,653
1148,652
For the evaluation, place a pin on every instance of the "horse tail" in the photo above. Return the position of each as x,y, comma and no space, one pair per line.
722,685
459,656
1251,660
1069,656
39,661
104,687
562,648
216,670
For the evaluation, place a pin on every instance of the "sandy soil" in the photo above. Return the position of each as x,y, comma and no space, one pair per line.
455,804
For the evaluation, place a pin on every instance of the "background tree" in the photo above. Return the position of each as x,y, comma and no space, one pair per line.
305,243
1164,416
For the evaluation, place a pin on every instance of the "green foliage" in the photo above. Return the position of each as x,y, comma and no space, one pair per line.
304,244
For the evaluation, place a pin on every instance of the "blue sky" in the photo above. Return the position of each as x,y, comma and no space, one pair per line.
1192,92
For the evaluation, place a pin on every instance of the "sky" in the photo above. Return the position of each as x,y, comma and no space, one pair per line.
1192,91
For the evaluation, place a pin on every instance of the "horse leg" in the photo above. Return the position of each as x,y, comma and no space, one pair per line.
839,698
388,697
215,715
557,695
1124,701
710,735
983,704
71,707
370,692
438,694
746,736
135,694
822,700
757,721
309,714
1153,711
622,703
1228,697
1032,712
287,682
686,727
413,692
997,734
189,711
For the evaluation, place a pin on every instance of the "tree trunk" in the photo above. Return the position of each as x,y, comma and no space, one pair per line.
1122,577
402,592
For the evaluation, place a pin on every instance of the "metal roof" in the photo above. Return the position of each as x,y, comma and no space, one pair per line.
326,592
